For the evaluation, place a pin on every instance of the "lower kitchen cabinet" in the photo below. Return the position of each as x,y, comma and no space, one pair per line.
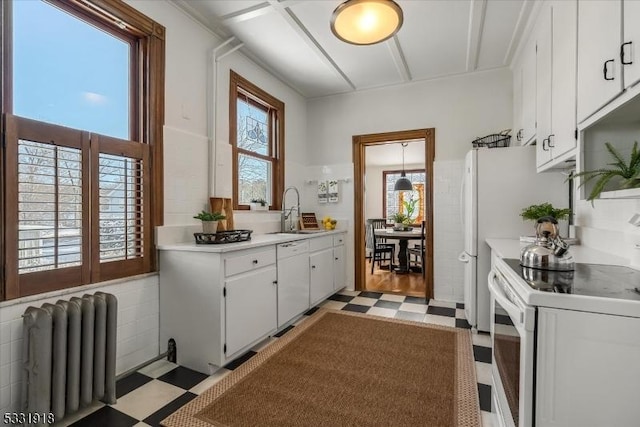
339,272
320,275
216,305
585,362
326,266
248,314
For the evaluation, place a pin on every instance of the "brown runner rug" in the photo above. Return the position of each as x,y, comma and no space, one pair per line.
340,368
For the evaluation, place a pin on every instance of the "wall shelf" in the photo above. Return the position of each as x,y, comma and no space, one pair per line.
631,193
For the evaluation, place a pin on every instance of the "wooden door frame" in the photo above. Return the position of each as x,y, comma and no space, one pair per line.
360,142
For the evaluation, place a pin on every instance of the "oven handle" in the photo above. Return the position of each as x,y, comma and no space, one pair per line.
514,311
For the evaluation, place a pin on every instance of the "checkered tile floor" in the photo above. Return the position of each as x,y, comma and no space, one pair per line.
149,395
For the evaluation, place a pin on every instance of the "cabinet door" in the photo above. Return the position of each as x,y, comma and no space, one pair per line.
599,30
339,272
250,308
543,86
517,104
631,36
529,92
563,76
321,275
587,369
293,287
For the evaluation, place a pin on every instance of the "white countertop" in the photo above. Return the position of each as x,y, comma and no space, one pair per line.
257,240
510,248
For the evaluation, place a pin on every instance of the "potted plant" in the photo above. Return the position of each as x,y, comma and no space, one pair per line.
209,221
258,204
627,174
399,220
410,206
533,212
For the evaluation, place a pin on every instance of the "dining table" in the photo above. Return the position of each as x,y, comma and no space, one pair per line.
403,237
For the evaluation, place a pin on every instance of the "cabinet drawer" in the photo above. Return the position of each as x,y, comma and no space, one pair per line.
319,243
249,260
338,240
289,249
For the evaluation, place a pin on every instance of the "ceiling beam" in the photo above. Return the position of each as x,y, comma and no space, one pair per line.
398,58
518,31
246,14
477,12
297,25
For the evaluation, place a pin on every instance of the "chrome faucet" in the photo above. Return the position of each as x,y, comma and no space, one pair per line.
284,215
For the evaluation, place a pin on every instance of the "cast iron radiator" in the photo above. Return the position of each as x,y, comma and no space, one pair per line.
69,354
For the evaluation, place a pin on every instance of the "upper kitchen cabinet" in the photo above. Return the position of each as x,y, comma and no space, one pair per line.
629,50
601,51
556,36
524,91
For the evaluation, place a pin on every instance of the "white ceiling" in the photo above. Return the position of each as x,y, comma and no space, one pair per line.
292,39
390,154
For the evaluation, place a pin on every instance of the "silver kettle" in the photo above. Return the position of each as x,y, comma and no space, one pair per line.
549,251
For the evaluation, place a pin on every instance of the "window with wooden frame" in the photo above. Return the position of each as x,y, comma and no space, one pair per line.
256,132
393,201
82,156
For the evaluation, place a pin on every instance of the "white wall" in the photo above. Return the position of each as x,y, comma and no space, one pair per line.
460,109
137,335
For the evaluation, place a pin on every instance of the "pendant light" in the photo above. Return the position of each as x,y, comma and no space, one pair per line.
365,22
403,183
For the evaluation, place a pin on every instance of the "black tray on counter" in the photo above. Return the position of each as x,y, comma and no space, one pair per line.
229,236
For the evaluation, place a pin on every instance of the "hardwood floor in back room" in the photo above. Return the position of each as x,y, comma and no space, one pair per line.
411,284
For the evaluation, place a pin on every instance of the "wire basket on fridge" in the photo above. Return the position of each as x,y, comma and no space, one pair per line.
495,140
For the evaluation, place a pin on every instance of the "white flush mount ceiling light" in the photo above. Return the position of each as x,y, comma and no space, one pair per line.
364,22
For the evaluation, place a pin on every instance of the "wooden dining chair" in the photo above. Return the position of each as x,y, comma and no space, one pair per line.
380,251
416,254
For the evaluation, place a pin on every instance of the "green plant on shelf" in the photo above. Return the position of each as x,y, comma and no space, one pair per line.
259,201
627,173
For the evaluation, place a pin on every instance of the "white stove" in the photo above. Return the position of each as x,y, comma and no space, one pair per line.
601,288
565,344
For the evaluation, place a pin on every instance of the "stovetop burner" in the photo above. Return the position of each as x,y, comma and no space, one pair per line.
610,281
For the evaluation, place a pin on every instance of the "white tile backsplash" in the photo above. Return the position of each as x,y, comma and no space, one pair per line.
137,335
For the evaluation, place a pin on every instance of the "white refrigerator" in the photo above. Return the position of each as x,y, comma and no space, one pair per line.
497,184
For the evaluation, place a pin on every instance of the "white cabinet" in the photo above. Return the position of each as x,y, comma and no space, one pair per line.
293,280
556,35
339,273
250,308
525,95
608,52
320,274
216,305
630,49
587,369
326,266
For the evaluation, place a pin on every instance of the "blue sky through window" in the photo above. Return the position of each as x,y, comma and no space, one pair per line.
68,72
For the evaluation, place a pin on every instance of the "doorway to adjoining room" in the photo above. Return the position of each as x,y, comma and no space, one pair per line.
394,212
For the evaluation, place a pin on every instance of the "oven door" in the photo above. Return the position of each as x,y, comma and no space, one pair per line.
512,336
